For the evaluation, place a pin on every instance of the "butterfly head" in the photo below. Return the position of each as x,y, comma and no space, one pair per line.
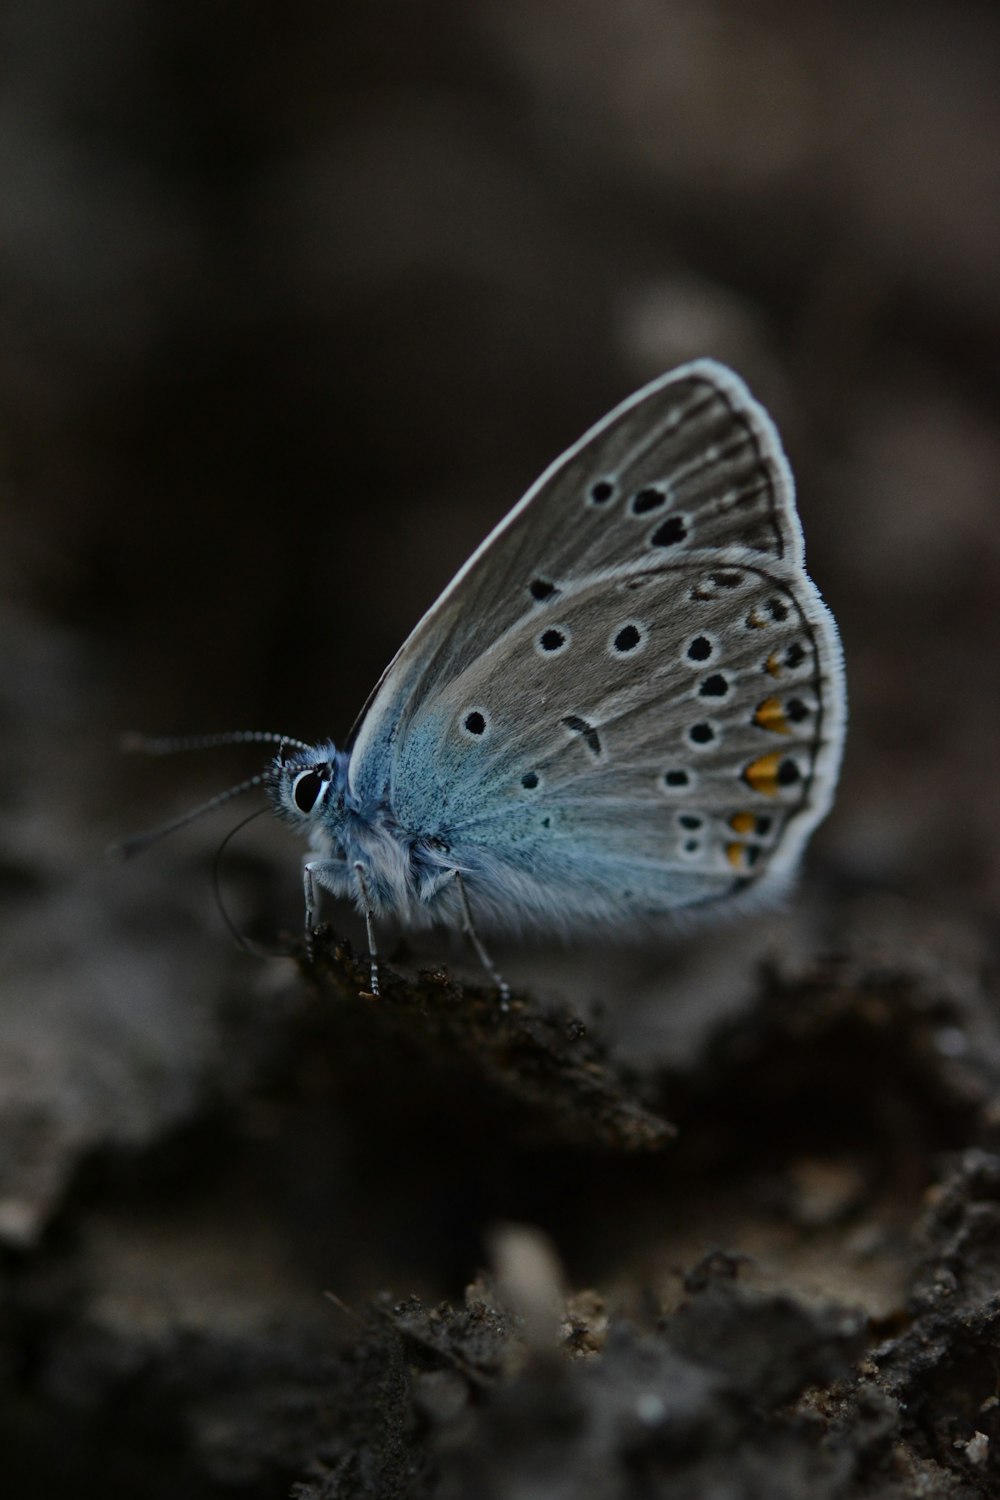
306,783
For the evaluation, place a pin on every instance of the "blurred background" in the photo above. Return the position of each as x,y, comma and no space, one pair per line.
296,307
297,301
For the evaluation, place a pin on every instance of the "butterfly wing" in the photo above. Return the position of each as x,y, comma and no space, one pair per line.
690,461
634,646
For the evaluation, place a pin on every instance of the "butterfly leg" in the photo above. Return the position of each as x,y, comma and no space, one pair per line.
477,942
370,926
309,896
313,871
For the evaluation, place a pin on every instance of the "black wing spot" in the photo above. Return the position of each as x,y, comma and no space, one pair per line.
788,773
628,638
601,492
796,710
763,827
777,609
700,649
475,722
795,655
553,640
670,533
647,500
529,780
590,736
701,734
541,588
712,582
676,778
715,686
690,821
691,846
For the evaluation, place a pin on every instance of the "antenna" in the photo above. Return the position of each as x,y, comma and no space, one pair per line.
151,744
141,841
148,744
145,744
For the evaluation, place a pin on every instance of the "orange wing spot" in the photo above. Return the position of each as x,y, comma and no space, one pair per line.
757,621
743,822
773,664
770,715
762,774
736,855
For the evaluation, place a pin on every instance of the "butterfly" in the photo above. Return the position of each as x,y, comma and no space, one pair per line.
628,704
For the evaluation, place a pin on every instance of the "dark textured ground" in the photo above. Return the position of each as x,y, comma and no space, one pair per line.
295,306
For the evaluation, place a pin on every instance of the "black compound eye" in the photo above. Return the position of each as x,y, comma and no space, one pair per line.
308,786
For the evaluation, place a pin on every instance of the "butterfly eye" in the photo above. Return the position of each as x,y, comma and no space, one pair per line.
308,787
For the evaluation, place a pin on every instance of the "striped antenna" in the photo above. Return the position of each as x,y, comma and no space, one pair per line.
150,744
141,841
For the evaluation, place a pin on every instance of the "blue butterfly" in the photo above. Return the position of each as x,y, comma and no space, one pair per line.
627,704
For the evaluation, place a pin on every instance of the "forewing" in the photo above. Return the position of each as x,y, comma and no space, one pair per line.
690,463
